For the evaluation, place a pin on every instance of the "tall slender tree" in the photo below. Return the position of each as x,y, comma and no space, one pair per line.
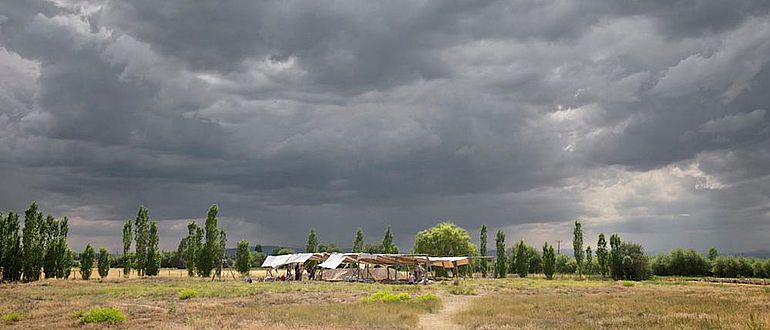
103,265
522,259
221,251
312,242
483,250
616,257
387,242
589,265
152,254
209,255
11,259
192,248
577,246
358,242
601,255
500,266
32,244
141,233
549,261
127,248
87,262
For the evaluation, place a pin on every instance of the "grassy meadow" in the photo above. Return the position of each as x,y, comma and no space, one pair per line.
173,301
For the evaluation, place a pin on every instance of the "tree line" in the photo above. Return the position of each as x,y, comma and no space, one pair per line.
39,249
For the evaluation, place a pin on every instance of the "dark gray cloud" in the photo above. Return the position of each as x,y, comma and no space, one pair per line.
645,118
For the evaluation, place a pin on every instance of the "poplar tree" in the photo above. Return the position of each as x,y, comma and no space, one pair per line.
11,258
192,248
601,255
210,250
103,265
577,247
243,258
199,250
522,259
141,233
312,242
221,251
358,242
387,242
127,248
32,249
483,250
501,267
549,261
616,257
87,262
152,254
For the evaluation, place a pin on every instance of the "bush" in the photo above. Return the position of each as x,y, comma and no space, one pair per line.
463,290
101,315
426,297
185,294
565,264
734,267
12,317
628,283
386,297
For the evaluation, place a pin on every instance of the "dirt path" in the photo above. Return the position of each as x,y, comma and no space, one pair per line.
443,318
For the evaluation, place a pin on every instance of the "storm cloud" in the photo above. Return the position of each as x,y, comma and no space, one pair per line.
644,118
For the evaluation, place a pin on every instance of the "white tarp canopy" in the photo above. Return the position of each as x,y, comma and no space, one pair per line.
276,261
298,258
334,260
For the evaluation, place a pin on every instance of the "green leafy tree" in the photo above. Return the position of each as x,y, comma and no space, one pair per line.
312,242
32,241
11,257
192,247
242,257
181,250
589,265
127,248
103,265
87,262
713,254
601,255
327,247
152,254
577,246
387,242
444,239
220,253
279,251
358,242
50,232
522,261
500,266
141,233
372,248
258,248
483,250
208,255
549,261
616,257
67,263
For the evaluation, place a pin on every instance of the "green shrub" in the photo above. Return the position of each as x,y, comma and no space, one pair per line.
101,315
185,294
386,297
426,297
628,283
463,290
12,317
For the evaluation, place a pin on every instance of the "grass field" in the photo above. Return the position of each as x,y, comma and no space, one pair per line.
533,303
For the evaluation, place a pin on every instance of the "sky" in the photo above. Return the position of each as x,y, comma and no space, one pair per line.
643,118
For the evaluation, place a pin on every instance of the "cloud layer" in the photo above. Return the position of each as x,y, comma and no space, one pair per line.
647,119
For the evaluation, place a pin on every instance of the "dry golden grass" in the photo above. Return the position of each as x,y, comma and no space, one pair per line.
506,303
541,304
